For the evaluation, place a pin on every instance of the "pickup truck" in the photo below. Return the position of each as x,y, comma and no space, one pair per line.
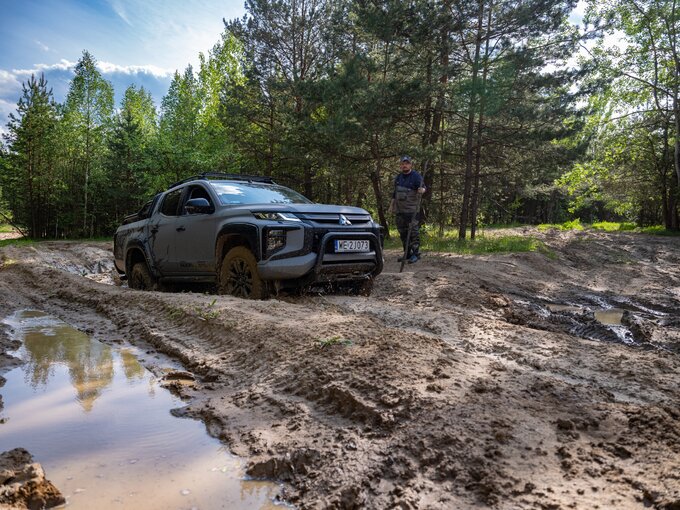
249,236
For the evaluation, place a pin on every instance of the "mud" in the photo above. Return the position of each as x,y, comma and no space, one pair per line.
23,484
453,386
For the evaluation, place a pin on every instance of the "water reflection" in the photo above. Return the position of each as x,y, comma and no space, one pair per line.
131,367
97,422
89,364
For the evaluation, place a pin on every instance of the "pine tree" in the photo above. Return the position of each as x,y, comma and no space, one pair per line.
28,178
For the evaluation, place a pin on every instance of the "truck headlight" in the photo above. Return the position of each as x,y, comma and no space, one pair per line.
277,216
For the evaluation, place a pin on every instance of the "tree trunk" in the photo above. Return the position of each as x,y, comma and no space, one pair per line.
480,127
435,119
377,191
470,138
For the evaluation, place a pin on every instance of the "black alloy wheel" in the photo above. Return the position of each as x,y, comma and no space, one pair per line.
239,276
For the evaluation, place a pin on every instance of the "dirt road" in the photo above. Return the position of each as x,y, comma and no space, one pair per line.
466,381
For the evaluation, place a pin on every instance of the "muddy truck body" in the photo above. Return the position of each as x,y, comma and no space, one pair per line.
249,236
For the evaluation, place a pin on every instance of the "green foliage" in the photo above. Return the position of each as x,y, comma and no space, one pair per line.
13,242
323,96
207,312
85,126
481,245
659,230
613,226
29,180
334,340
567,225
632,128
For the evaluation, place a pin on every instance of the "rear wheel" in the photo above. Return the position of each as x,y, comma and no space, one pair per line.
239,276
141,279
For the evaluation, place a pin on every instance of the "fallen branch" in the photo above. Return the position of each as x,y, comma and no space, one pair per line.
13,224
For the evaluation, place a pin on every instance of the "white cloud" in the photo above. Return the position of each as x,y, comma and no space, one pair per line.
8,83
172,33
153,78
42,46
6,108
158,72
62,65
104,67
119,9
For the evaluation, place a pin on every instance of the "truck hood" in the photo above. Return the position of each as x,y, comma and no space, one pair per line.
304,208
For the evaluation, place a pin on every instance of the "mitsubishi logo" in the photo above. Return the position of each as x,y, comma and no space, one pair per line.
344,220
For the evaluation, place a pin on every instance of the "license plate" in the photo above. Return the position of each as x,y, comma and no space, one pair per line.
351,245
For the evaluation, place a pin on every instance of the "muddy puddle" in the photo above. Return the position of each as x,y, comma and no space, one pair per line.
607,317
100,425
598,320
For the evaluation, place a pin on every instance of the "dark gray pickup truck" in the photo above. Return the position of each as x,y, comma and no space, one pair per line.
248,235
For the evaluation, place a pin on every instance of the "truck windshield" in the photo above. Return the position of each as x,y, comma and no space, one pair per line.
237,193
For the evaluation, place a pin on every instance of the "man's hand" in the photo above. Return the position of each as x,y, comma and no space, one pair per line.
421,190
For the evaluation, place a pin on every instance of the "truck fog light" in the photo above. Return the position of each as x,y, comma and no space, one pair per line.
276,239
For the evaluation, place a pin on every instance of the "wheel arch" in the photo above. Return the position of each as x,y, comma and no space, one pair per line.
136,253
231,236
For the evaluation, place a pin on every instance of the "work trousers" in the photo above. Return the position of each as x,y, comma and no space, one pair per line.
403,221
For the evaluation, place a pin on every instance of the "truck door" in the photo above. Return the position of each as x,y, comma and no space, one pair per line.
162,233
195,239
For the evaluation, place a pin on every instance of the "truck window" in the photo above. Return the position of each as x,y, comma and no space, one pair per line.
171,202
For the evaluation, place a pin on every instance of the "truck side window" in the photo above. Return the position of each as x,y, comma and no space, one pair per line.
170,203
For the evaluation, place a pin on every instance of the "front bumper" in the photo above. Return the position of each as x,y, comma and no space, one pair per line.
322,264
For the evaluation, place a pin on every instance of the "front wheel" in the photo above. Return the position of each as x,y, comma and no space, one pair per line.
239,276
141,279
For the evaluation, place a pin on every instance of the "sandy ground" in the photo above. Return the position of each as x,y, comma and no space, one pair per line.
452,386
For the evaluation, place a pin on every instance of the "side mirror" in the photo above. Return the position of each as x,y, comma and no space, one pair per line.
198,206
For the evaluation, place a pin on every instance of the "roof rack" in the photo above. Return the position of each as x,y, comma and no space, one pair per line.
218,175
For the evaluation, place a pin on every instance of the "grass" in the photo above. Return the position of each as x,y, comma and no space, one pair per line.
334,340
658,230
481,245
609,226
20,240
5,228
613,226
567,225
207,312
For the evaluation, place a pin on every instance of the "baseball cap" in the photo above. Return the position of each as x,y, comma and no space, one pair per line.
406,159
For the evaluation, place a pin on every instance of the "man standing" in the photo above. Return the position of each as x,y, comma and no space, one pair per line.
405,202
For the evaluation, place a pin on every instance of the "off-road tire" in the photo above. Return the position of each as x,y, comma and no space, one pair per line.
239,276
141,279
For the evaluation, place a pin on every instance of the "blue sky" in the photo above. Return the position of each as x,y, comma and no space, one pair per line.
134,41
141,42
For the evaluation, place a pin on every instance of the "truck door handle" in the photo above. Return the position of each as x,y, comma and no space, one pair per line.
180,229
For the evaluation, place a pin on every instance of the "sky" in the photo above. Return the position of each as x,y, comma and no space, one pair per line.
134,41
